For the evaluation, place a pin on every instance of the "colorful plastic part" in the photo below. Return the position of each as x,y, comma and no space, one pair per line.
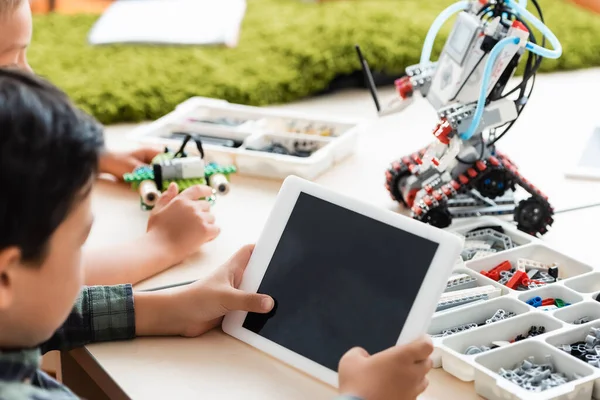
535,301
515,281
548,302
494,273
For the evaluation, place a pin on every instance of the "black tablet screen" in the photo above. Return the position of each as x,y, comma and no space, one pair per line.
340,280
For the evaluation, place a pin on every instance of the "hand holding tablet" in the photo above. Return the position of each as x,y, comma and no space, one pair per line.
343,274
399,372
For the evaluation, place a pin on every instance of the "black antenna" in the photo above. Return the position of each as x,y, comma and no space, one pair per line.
181,151
368,77
199,146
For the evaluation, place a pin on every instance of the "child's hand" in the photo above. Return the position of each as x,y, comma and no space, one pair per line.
181,223
196,308
398,373
118,164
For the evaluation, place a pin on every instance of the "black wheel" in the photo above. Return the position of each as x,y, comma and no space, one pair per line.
395,180
533,216
439,217
493,184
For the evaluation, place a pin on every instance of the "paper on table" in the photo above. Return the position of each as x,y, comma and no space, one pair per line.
588,165
178,22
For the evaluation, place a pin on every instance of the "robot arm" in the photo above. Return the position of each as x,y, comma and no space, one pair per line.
495,114
417,78
455,122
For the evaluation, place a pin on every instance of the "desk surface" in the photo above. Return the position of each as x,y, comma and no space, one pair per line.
549,134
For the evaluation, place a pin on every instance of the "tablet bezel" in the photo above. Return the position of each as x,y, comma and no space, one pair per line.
424,306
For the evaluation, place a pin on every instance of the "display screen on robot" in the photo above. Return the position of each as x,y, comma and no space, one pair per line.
461,39
342,274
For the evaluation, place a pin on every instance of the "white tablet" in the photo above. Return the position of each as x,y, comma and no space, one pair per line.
343,273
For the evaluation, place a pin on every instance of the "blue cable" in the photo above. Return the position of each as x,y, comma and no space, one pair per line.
519,9
541,51
436,26
540,26
487,73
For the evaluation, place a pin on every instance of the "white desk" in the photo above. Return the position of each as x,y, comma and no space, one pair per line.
562,112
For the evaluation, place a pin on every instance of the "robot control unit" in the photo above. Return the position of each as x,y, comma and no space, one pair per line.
462,174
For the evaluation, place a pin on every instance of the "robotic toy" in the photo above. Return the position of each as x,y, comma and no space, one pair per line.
151,180
467,86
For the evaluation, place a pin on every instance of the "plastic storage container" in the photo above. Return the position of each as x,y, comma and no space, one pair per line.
576,335
588,283
552,291
568,267
569,315
517,237
475,313
490,385
456,362
265,142
579,285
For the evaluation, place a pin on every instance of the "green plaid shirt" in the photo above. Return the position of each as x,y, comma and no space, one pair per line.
101,313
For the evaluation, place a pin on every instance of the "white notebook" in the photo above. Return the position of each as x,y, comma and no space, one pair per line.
170,22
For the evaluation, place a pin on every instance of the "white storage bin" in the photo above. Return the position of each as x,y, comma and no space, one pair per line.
483,286
260,118
555,291
510,229
481,280
587,283
567,266
578,285
577,334
460,263
250,160
475,313
459,364
241,125
490,385
574,312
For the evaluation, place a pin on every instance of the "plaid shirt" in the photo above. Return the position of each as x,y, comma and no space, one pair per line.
101,313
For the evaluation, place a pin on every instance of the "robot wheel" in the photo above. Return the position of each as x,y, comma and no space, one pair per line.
494,183
533,216
395,180
439,217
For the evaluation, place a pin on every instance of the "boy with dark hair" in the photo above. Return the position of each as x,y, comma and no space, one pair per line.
177,226
48,161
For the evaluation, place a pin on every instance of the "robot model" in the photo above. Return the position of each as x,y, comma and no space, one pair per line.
151,180
468,88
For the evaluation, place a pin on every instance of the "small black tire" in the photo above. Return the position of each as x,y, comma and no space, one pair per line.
533,216
439,217
394,181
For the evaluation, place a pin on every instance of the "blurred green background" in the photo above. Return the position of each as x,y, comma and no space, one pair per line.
288,50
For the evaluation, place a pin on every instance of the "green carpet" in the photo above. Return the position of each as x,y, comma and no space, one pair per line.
288,50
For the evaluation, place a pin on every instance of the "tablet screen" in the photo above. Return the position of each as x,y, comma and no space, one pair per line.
340,279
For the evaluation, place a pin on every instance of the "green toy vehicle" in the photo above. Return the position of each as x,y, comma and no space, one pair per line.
151,180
